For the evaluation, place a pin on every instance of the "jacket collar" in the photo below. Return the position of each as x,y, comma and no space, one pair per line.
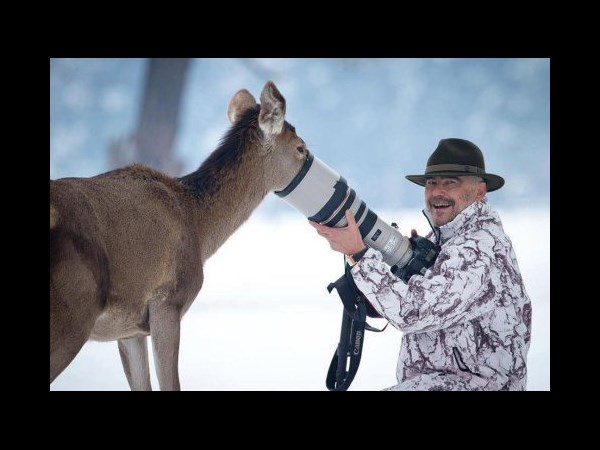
446,231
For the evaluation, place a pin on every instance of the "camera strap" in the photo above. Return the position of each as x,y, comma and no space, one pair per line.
346,359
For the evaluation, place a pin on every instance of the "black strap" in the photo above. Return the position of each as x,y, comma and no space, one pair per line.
340,373
346,359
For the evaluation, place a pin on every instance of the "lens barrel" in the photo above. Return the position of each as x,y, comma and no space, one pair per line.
323,196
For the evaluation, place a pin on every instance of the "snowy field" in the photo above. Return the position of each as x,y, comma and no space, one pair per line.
265,321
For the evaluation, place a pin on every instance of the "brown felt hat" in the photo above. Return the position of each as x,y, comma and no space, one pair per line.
455,157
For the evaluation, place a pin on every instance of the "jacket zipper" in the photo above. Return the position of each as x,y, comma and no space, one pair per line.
461,365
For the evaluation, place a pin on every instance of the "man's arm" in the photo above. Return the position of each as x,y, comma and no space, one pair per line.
457,287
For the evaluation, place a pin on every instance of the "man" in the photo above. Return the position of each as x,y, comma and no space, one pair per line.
467,319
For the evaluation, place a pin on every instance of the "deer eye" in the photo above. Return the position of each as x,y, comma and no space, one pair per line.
300,149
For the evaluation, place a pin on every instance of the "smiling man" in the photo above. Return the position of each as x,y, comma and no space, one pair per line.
466,321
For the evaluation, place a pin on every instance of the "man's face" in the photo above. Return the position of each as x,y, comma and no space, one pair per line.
446,197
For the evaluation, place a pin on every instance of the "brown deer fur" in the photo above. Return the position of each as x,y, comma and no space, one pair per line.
127,246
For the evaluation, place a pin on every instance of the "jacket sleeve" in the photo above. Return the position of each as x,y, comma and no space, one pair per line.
456,288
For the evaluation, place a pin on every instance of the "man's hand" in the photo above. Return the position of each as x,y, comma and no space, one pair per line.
346,240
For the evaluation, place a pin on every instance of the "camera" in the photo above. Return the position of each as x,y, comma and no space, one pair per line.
322,195
424,255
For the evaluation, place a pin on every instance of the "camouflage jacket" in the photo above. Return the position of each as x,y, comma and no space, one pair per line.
466,322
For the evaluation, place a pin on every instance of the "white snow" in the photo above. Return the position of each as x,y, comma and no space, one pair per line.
265,321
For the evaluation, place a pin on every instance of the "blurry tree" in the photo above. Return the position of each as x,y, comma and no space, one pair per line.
152,141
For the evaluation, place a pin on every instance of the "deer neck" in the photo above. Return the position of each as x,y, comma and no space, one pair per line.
226,197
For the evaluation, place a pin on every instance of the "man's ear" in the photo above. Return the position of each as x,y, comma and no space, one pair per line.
481,190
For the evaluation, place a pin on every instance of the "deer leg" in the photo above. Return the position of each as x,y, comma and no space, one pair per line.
77,297
134,356
164,329
67,336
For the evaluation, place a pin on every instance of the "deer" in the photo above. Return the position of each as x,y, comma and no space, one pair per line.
128,246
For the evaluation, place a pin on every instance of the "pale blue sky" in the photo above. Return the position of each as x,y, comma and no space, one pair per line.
372,120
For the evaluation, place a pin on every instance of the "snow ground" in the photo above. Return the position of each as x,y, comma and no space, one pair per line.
265,321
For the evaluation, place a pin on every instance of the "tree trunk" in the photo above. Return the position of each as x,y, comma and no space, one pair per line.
152,142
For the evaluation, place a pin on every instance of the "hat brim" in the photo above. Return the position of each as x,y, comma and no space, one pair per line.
493,182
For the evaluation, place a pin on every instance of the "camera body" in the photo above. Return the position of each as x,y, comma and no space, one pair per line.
424,255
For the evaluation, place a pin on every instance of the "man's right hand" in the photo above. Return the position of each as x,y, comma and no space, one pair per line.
346,240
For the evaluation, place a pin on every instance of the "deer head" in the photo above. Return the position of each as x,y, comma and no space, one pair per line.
280,147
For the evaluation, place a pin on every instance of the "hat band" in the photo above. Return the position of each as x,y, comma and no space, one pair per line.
453,168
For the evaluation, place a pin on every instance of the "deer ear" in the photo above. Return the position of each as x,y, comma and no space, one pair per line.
239,104
272,109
